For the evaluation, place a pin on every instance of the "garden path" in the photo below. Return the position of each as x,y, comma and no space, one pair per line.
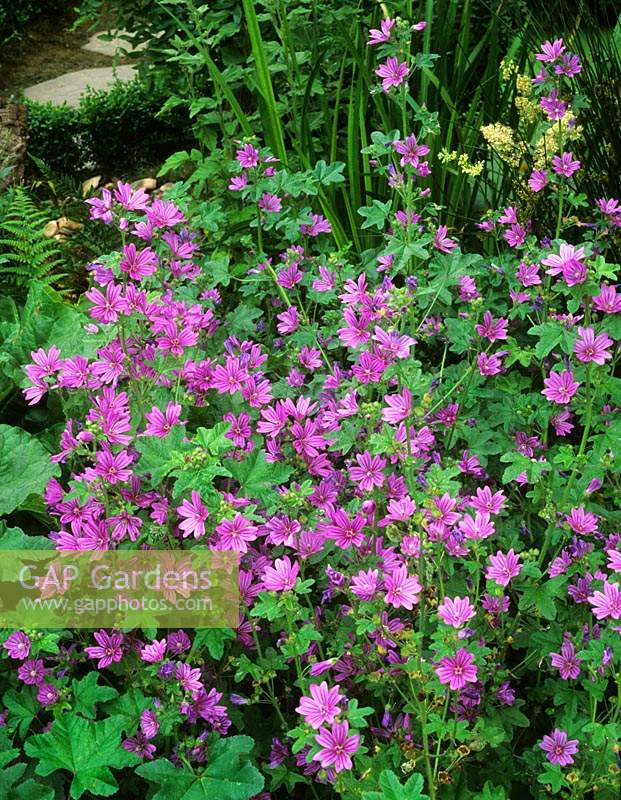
68,88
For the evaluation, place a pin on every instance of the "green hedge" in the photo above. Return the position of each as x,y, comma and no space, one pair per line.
113,132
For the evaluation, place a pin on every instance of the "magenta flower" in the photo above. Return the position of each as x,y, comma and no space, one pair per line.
229,378
101,207
457,670
568,263
606,603
149,724
607,301
235,534
528,274
442,242
614,560
503,567
486,502
106,308
566,661
161,423
109,648
174,340
111,468
383,34
554,107
369,368
322,706
48,694
479,527
318,225
17,645
238,182
410,151
189,678
32,672
590,347
570,66
194,513
565,165
365,584
288,321
325,281
492,329
581,521
154,652
138,263
538,180
393,73
355,332
139,745
551,51
347,532
282,576
337,746
247,156
402,590
559,748
456,611
270,203
515,235
398,511
399,407
392,344
131,199
489,365
560,388
164,214
509,216
369,472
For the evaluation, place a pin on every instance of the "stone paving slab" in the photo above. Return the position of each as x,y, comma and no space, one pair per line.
69,87
97,45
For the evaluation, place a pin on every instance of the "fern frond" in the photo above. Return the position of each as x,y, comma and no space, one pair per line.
25,253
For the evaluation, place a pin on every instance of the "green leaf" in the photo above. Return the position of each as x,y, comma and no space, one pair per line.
229,775
11,786
329,173
490,792
25,467
87,693
255,475
31,790
84,748
550,335
173,162
213,639
157,455
392,788
128,706
214,439
541,596
22,708
553,777
16,539
375,215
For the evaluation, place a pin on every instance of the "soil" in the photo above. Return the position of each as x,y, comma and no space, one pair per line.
48,48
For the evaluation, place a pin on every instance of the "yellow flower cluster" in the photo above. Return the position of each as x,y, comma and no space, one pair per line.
523,85
500,138
464,164
508,69
527,109
548,144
